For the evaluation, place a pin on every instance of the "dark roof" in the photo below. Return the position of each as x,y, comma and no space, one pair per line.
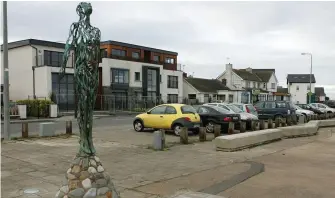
138,47
300,78
206,85
22,43
320,91
264,74
245,75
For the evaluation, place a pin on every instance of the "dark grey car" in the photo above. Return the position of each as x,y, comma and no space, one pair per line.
273,109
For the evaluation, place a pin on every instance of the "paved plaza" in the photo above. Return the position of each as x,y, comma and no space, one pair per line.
292,166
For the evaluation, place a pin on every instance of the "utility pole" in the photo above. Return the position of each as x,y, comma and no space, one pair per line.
5,72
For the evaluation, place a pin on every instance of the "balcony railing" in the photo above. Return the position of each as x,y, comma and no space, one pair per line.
142,60
41,61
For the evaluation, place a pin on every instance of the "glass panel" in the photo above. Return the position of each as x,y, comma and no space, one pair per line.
187,109
270,105
170,110
125,77
158,110
70,78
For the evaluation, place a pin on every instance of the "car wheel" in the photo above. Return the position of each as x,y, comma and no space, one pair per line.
138,126
210,127
278,116
177,129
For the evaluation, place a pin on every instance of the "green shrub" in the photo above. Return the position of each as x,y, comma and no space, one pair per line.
36,107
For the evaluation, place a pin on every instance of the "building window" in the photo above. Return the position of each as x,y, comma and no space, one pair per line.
135,55
297,88
247,84
231,98
117,52
258,85
156,58
172,98
169,60
254,85
152,85
273,85
192,96
52,58
264,85
308,88
120,76
137,76
173,82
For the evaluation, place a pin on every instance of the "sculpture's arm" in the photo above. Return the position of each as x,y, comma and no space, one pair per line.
69,44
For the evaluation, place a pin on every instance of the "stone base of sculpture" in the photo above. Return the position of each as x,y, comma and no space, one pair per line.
86,178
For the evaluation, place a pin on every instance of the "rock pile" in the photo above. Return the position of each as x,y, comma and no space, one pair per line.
86,178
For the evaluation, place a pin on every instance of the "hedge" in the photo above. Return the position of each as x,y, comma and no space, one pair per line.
36,107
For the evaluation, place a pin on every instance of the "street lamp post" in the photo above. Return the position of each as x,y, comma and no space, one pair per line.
310,76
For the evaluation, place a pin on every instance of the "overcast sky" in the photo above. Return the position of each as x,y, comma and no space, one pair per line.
259,35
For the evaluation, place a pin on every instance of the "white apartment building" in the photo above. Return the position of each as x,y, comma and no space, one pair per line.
299,86
34,66
258,84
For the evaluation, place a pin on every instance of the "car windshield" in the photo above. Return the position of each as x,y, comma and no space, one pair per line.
323,105
239,106
296,106
221,110
234,108
187,109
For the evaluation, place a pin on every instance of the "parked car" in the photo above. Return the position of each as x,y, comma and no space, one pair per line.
303,112
249,108
274,109
322,107
212,115
246,117
310,107
330,103
168,116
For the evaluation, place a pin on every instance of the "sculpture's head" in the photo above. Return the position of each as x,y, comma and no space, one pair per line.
84,9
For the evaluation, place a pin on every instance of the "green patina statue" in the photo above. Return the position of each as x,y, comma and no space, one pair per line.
84,40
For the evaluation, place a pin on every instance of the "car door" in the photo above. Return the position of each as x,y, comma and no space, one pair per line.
155,117
169,116
260,109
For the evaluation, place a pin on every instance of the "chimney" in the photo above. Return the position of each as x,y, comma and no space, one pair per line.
224,82
229,79
249,69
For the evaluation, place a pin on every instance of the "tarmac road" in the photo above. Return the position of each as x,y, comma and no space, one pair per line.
15,128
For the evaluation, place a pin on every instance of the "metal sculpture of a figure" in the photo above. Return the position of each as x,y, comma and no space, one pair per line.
84,40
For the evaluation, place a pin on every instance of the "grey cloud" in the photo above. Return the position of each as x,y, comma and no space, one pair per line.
257,34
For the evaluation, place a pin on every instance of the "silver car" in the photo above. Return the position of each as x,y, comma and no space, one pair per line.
233,109
322,107
249,108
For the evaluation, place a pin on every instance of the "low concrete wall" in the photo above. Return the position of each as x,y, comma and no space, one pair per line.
327,123
245,140
250,139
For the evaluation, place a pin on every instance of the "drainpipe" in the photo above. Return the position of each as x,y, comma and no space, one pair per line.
33,67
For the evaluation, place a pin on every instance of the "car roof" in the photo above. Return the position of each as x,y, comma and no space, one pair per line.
174,105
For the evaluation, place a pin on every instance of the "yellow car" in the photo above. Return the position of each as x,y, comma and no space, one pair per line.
168,116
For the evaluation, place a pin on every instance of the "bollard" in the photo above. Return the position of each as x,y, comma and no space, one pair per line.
289,120
202,134
231,127
69,127
277,122
283,122
294,120
243,127
317,117
270,124
159,140
217,130
25,130
253,125
261,125
301,119
183,135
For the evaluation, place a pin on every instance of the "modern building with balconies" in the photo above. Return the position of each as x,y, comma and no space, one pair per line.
126,71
